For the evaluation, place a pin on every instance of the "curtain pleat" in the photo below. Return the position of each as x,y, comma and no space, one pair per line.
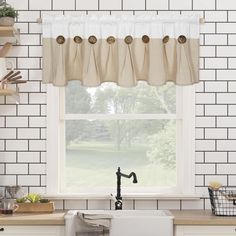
75,61
108,62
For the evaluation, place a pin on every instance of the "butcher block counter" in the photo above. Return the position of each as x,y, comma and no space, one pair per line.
201,217
185,217
56,218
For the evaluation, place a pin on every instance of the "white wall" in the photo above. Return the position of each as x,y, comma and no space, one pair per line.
22,127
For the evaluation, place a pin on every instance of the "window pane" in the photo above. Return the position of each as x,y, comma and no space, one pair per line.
94,150
111,99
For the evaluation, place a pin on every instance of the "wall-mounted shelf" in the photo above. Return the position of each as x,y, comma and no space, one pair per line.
7,92
9,34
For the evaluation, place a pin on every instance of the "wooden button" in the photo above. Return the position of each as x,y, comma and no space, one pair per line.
60,39
128,39
182,39
111,39
78,39
145,39
92,39
165,39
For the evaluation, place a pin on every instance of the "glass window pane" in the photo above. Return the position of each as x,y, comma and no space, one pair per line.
95,148
111,99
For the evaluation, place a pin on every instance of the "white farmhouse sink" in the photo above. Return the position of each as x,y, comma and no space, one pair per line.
141,222
132,222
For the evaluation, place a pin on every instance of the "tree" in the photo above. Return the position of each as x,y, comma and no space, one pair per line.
115,100
111,99
140,99
162,146
78,100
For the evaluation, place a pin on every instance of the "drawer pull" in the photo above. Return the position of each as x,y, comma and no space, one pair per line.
1,229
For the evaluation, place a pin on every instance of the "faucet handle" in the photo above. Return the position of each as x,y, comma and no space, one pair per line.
112,197
118,205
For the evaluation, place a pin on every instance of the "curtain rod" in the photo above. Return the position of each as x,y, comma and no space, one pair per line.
202,20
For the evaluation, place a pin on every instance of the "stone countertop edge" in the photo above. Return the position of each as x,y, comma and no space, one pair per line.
184,217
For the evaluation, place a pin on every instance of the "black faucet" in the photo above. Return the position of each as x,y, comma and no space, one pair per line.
118,203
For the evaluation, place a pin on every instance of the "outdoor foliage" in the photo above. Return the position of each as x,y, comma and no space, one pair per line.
116,100
78,100
146,145
162,147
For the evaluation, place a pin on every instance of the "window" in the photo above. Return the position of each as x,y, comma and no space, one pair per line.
145,129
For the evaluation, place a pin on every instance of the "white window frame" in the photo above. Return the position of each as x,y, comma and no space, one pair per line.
185,153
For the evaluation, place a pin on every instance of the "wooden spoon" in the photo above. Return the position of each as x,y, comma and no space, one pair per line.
14,79
7,75
13,75
18,82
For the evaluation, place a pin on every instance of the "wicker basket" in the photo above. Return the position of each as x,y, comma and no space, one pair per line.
223,201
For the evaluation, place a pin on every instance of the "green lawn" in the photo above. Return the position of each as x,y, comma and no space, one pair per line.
95,164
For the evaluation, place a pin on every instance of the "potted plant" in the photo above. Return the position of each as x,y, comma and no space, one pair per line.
7,14
34,203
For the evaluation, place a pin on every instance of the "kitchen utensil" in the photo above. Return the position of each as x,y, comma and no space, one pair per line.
18,82
13,75
6,76
9,78
5,49
14,79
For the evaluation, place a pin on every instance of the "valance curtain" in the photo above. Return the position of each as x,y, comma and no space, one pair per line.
123,50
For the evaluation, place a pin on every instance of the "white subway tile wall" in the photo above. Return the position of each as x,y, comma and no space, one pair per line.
187,205
145,205
22,127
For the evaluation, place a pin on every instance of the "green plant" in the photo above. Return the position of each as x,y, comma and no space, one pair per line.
8,11
33,197
44,200
21,200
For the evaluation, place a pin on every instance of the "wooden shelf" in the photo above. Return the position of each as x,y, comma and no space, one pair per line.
9,34
7,92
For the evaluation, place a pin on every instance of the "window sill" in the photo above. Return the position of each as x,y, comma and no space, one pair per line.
130,196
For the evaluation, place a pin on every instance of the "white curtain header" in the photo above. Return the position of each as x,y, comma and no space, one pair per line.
121,26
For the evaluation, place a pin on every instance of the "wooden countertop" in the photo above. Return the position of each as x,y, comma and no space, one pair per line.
200,217
56,218
185,217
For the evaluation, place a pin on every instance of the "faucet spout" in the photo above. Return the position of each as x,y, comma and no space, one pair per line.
135,181
118,203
